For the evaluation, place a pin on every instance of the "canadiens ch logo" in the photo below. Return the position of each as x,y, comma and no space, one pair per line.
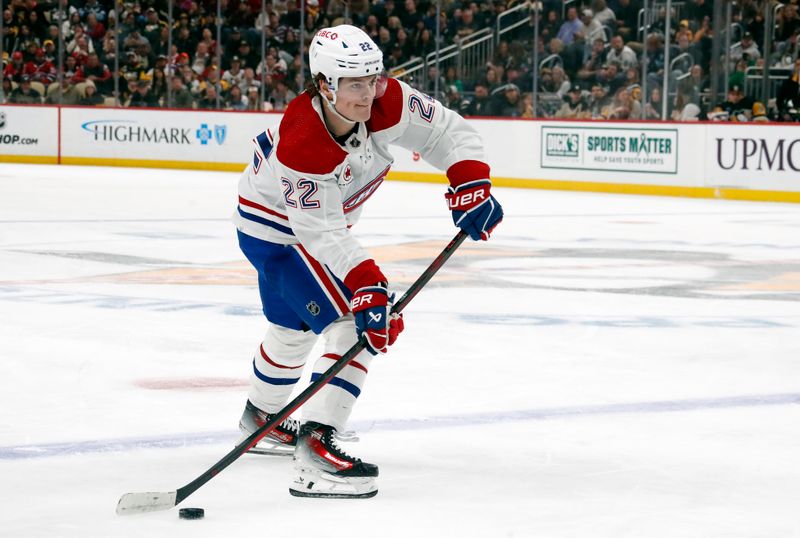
313,308
361,196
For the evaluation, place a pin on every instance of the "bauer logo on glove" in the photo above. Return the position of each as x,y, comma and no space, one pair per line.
374,320
474,209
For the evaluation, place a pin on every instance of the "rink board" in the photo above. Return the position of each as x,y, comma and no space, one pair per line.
706,160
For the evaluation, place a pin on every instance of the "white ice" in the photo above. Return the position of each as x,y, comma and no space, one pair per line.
606,366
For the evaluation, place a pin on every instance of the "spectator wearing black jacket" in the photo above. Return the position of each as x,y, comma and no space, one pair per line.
90,95
140,94
789,93
627,13
699,9
506,102
738,104
479,105
24,94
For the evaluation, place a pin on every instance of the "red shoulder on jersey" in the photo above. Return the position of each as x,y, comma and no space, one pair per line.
305,144
388,109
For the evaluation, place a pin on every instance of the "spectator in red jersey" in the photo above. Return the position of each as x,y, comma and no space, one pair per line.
41,69
94,28
96,72
15,68
177,64
83,48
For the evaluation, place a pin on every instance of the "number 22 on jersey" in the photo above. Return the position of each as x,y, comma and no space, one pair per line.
423,109
306,189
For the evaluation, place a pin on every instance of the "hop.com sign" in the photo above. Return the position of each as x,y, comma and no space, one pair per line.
29,131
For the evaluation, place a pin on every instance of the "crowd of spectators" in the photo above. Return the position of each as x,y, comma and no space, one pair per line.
591,59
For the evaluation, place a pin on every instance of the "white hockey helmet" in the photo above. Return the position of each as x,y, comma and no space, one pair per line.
344,51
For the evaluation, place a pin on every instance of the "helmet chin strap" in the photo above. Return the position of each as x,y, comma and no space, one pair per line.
335,112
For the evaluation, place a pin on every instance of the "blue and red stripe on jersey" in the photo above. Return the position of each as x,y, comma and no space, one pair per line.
268,219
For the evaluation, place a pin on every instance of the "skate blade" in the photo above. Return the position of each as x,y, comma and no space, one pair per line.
272,451
267,448
322,485
312,495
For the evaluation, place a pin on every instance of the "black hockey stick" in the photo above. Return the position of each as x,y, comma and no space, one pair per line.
137,503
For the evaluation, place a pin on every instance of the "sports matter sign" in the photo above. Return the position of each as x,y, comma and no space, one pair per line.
622,149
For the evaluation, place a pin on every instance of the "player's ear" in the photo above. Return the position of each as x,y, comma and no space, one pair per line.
325,89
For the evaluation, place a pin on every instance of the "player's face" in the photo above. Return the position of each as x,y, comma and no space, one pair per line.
355,96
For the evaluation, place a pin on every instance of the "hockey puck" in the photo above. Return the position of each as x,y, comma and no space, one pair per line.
191,513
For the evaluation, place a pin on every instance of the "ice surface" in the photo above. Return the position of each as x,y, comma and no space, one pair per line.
605,366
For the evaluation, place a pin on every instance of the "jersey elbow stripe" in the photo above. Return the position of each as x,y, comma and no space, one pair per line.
274,380
341,383
265,222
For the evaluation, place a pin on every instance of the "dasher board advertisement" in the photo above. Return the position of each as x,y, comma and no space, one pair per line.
621,149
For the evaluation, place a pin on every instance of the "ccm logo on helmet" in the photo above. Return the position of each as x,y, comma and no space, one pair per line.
330,35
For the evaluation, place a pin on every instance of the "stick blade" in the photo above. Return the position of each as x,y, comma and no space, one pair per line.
139,503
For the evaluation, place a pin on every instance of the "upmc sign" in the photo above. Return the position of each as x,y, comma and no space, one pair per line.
755,156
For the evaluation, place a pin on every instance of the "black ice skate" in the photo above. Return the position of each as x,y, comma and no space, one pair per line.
324,470
279,442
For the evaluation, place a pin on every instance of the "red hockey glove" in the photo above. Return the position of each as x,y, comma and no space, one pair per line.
371,306
474,209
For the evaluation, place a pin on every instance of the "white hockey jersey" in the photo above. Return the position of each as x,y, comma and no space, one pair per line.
304,187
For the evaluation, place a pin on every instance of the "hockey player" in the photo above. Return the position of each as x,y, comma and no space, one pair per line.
297,201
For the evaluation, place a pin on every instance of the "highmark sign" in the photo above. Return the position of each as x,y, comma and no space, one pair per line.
621,149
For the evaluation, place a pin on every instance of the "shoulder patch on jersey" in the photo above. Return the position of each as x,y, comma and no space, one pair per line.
305,144
387,111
